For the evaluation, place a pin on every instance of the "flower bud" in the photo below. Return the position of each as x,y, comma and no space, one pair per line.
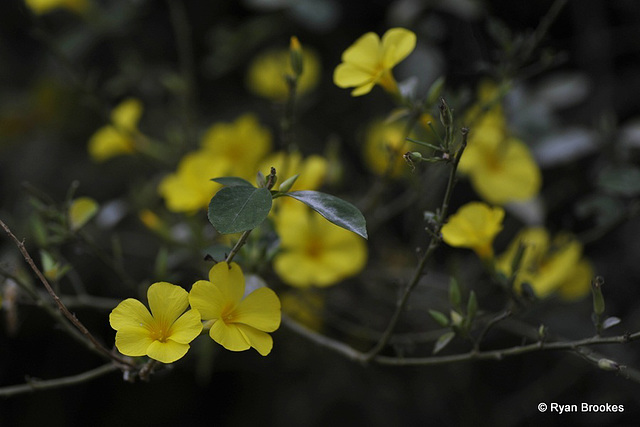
446,118
295,52
288,183
598,299
608,365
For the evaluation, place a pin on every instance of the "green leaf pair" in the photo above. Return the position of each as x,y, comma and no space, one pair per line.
240,206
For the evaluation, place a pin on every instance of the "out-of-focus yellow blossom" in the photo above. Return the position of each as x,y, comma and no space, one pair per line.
165,333
119,137
474,226
190,188
315,252
234,322
43,6
266,75
500,166
385,144
242,144
81,211
548,266
369,61
228,149
305,307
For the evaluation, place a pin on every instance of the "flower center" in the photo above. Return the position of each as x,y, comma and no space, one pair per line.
228,314
160,332
314,248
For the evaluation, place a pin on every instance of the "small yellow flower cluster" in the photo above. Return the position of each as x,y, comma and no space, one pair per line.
235,321
500,166
548,266
227,149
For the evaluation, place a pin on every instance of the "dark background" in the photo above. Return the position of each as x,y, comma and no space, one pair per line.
130,48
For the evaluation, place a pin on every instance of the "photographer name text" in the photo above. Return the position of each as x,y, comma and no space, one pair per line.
582,407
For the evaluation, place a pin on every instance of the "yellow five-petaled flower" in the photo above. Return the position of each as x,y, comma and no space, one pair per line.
474,226
165,333
369,61
235,322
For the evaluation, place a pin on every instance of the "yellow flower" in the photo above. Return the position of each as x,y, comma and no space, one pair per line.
235,322
228,149
266,75
548,266
384,146
500,167
315,251
43,6
119,137
474,226
165,333
242,143
369,61
190,188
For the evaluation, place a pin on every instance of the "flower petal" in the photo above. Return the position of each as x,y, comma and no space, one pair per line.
127,114
130,313
397,44
364,52
363,90
133,341
259,340
228,336
229,279
108,142
167,352
186,328
207,299
260,309
167,302
348,75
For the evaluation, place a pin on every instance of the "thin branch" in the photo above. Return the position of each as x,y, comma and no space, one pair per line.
574,346
577,347
36,385
65,311
433,245
238,245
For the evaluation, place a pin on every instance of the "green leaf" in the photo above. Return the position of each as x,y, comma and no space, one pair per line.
239,208
443,341
334,209
439,317
232,181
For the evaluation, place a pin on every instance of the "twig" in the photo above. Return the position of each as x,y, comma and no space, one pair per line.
72,318
577,347
433,245
488,327
35,385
